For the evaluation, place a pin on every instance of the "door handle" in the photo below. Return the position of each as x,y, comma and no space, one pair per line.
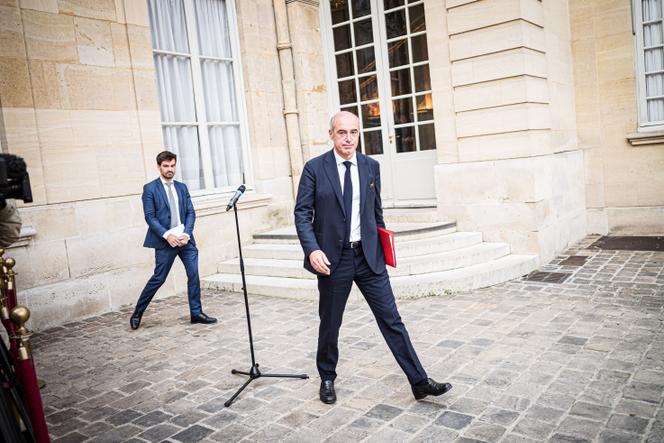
391,138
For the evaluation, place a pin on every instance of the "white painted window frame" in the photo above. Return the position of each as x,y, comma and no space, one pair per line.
639,60
199,99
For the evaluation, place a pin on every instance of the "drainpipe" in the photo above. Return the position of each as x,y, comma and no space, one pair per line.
285,50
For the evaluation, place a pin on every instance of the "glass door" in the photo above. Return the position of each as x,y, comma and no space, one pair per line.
381,70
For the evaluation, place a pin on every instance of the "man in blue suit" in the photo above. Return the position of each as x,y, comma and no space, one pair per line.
337,213
170,215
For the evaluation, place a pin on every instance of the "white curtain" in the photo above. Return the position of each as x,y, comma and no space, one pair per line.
213,30
220,93
653,39
176,90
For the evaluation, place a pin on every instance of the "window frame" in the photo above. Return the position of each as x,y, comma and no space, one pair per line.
202,123
639,60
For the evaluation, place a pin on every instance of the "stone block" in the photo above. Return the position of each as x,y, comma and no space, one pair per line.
107,215
145,82
40,263
120,16
12,43
68,176
99,9
94,41
15,83
507,91
510,63
136,13
48,91
477,15
511,118
90,255
52,305
504,146
497,38
96,87
597,221
41,5
635,221
140,46
120,45
50,36
55,128
52,222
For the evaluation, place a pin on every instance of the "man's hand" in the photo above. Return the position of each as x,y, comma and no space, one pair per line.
319,261
174,241
184,239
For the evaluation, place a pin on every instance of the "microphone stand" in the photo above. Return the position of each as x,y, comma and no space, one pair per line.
253,372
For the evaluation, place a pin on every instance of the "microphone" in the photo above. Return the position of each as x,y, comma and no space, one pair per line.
235,197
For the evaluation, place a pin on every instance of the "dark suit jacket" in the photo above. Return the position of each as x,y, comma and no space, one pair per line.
158,213
319,210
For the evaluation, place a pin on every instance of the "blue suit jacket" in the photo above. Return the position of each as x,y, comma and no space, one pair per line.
319,210
158,213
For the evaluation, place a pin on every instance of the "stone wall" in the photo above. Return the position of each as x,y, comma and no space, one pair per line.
79,102
515,172
624,183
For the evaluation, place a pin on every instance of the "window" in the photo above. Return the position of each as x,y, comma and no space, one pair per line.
203,121
650,62
382,72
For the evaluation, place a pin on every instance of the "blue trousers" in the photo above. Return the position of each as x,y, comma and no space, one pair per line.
377,291
164,259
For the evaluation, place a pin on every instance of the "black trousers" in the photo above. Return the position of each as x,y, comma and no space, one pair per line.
377,291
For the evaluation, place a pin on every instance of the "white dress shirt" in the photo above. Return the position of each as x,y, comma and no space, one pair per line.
177,203
355,230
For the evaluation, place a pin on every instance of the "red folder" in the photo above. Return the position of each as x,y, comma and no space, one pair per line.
387,241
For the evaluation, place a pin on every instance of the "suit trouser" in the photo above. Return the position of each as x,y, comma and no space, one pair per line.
164,259
376,289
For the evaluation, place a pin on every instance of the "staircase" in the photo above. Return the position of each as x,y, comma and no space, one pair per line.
432,259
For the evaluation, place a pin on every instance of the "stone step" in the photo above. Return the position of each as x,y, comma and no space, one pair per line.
411,231
410,215
420,264
406,246
408,286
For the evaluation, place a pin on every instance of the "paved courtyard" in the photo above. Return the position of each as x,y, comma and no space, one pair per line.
581,360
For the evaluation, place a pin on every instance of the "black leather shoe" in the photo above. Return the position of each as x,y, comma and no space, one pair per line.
135,319
203,318
327,394
429,387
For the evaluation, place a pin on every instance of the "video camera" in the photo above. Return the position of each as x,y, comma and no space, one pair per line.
14,179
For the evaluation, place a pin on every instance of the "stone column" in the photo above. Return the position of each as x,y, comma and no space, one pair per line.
517,175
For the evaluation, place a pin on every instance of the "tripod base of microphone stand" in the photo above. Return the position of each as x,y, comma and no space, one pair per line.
255,373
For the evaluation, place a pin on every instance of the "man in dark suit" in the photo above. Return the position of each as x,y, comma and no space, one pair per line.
170,215
337,212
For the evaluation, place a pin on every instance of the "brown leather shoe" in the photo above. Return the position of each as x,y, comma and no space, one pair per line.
429,387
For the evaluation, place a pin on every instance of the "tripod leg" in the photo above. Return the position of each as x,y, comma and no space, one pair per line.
235,371
230,400
286,375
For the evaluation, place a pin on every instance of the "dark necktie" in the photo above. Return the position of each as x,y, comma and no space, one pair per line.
348,198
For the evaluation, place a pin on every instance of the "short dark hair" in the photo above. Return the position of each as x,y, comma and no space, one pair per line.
165,156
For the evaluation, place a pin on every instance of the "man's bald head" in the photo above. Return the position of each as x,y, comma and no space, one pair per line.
346,114
345,133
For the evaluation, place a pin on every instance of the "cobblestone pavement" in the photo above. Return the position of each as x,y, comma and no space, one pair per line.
577,361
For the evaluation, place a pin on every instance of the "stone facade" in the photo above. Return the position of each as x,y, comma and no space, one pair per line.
533,101
623,183
79,103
